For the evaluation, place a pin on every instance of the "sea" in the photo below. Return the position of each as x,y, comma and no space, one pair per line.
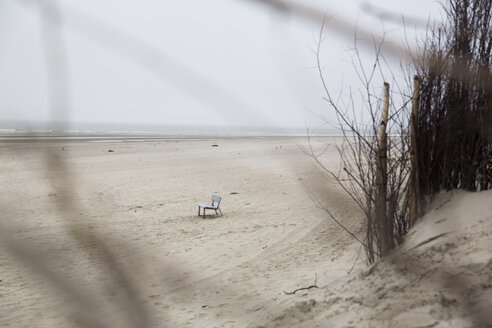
112,132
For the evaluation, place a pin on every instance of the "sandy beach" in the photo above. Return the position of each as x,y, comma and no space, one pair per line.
107,235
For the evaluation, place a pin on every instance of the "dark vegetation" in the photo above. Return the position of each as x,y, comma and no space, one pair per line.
392,168
454,122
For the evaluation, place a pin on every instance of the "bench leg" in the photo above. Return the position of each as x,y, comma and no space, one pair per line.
220,212
198,210
204,213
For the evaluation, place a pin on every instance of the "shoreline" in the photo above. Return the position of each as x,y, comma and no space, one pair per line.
107,137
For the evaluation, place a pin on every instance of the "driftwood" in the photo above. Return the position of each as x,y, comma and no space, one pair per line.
304,288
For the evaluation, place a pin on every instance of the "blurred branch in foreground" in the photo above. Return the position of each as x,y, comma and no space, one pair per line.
337,25
156,61
128,306
393,17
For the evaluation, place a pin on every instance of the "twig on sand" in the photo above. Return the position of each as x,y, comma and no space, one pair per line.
304,288
428,240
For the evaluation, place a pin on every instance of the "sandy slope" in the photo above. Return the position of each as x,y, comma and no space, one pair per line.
440,277
112,239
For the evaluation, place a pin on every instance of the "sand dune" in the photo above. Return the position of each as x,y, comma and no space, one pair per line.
440,277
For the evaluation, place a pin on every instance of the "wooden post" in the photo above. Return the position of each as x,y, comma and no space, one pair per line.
414,190
385,225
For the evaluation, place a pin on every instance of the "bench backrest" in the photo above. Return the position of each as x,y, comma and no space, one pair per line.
217,199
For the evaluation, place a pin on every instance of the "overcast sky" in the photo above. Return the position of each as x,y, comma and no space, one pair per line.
215,62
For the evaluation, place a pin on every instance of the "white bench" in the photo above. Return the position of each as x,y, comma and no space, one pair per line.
214,206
